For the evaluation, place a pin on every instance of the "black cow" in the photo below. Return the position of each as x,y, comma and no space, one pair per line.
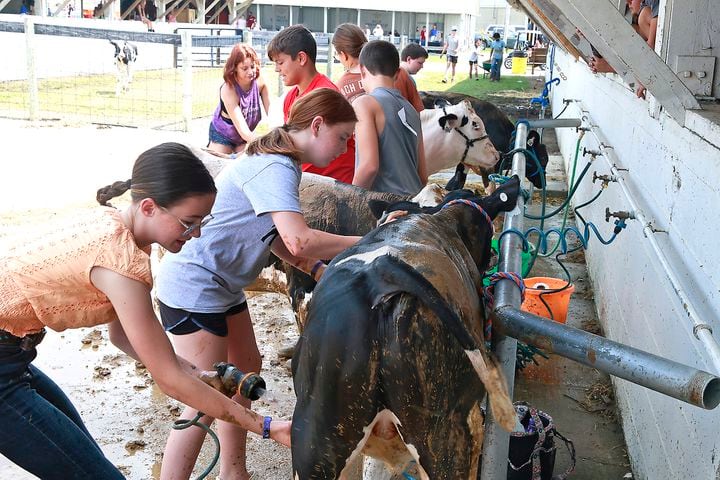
393,354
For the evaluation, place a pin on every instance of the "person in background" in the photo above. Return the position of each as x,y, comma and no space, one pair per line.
378,31
433,33
390,152
348,41
243,96
92,267
647,27
251,20
240,24
497,48
294,52
475,54
257,211
423,36
412,59
450,47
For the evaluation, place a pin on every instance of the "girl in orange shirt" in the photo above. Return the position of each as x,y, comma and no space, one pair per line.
92,268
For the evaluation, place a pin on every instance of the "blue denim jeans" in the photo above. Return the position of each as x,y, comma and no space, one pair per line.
41,430
495,65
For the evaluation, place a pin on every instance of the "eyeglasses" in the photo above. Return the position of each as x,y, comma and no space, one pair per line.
189,229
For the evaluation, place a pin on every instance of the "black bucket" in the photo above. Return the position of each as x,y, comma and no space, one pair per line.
532,452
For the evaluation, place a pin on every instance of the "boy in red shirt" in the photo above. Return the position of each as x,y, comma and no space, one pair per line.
294,51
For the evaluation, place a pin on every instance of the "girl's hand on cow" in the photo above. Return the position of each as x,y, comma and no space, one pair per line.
394,215
280,431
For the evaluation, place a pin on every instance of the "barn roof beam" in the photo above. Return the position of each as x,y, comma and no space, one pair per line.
605,28
130,9
60,7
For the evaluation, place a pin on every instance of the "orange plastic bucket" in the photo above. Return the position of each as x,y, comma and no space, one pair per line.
557,301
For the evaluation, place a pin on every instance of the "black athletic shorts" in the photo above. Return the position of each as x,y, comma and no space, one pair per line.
182,322
452,58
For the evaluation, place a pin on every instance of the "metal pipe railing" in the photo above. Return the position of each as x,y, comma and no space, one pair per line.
497,440
674,379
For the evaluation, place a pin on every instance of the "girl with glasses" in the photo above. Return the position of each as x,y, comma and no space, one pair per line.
91,268
257,211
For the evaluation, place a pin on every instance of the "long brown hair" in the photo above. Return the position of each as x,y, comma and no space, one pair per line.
166,173
238,55
324,102
349,38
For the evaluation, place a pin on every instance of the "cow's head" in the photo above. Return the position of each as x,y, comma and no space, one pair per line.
125,52
503,199
479,151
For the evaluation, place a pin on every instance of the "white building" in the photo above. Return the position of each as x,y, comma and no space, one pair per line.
403,17
657,287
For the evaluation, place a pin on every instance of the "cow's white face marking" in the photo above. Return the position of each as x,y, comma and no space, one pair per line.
430,196
369,257
503,197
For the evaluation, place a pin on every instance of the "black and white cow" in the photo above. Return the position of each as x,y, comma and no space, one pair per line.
125,57
497,124
499,129
333,207
392,363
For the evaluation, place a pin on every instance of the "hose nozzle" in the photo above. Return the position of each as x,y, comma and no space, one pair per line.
250,385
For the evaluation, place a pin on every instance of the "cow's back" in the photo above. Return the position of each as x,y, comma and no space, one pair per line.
372,342
337,207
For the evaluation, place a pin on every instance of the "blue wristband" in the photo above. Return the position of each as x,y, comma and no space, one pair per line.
266,427
316,267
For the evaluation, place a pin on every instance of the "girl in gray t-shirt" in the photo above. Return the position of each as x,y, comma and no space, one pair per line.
257,211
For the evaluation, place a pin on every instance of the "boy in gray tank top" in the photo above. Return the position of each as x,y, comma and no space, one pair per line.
389,152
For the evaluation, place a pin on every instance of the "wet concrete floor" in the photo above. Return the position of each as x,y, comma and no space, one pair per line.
578,398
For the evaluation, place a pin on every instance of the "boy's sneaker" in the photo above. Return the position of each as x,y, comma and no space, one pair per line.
443,80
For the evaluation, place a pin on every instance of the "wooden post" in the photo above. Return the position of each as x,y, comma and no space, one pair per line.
186,38
33,101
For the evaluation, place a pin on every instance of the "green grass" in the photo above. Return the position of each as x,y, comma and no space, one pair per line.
155,96
430,78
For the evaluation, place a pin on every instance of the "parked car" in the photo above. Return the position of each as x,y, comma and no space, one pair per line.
493,28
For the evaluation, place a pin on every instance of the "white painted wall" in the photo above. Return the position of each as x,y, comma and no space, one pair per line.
673,173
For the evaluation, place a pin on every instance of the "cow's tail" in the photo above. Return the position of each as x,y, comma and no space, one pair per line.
398,276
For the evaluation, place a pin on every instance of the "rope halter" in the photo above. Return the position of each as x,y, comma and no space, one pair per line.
468,142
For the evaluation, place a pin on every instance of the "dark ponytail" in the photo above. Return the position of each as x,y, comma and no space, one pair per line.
111,191
166,173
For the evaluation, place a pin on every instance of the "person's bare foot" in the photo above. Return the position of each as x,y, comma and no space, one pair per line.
600,65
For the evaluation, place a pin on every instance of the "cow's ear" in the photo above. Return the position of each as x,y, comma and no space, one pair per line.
378,207
446,121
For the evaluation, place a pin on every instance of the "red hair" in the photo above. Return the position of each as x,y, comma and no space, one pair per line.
239,54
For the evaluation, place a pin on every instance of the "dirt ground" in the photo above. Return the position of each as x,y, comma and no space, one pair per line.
122,407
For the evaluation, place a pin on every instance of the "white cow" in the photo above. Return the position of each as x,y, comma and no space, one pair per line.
456,134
